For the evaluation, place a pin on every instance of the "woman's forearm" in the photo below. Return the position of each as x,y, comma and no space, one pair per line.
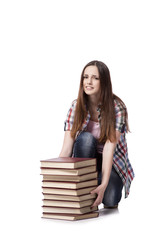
68,142
107,162
108,152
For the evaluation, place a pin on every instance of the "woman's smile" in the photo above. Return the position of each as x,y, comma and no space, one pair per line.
89,87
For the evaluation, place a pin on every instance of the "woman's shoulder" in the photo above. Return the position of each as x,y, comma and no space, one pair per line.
119,104
74,102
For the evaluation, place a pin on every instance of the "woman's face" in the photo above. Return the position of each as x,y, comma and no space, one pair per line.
91,81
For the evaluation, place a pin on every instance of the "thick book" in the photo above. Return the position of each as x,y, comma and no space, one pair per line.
68,162
62,178
70,217
69,210
72,192
70,185
70,204
63,171
69,198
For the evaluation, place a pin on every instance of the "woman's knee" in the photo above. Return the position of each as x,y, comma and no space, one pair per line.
86,138
85,145
112,198
113,193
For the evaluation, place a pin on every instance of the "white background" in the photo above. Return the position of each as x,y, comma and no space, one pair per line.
43,47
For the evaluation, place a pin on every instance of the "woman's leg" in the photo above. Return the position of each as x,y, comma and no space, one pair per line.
85,146
113,192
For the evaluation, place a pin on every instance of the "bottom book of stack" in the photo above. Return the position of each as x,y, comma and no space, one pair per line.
71,217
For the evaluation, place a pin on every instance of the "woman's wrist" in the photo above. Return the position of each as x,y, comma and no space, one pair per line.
103,186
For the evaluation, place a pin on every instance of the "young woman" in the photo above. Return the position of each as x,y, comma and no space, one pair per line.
96,126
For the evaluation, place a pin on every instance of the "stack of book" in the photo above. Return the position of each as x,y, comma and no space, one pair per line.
66,184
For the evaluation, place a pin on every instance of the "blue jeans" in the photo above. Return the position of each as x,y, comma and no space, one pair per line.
85,147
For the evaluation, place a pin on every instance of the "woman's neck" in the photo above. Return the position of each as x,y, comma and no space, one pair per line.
93,102
92,107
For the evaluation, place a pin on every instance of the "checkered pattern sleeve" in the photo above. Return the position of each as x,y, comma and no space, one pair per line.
70,117
120,111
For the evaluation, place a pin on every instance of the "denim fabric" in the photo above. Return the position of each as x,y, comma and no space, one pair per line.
85,146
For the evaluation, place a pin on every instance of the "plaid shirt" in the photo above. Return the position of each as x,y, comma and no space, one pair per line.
120,158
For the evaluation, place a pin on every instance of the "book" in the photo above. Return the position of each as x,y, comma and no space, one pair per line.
63,171
73,192
70,217
69,210
69,198
54,203
70,185
62,178
68,162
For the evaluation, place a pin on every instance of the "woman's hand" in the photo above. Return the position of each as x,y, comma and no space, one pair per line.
100,192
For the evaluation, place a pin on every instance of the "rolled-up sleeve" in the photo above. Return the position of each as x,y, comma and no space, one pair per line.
70,117
121,113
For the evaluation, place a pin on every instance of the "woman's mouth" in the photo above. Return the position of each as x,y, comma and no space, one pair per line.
89,88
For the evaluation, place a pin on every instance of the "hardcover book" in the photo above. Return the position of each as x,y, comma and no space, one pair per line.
72,204
69,198
69,178
72,192
70,217
68,162
70,185
70,172
69,210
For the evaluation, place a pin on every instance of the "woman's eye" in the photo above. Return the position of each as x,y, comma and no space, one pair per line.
92,77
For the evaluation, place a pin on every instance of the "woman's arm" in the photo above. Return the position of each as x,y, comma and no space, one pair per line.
107,162
67,145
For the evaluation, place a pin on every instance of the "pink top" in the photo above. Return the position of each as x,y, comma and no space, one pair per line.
94,129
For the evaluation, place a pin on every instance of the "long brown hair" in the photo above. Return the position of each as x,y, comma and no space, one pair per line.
108,118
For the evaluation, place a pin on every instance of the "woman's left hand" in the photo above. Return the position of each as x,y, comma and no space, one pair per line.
100,192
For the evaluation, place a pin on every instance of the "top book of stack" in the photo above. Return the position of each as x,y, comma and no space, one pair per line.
68,162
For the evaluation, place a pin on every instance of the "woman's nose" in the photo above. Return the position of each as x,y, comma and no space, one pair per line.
89,80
